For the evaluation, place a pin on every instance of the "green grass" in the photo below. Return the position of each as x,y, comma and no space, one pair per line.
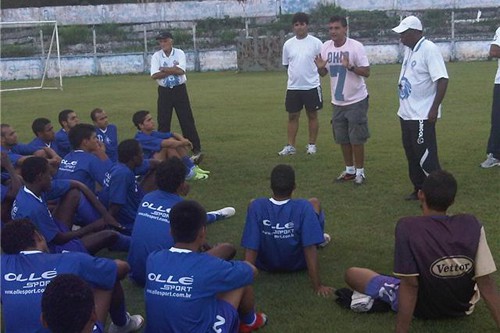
242,124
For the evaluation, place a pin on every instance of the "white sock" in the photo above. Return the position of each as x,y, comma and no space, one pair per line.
360,171
350,169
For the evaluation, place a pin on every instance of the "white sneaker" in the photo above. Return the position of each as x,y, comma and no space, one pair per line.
361,302
326,241
223,213
359,179
311,149
134,323
287,150
490,162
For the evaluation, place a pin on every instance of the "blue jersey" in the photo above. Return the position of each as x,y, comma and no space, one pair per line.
279,230
121,188
28,205
26,275
151,231
109,136
37,144
22,149
151,143
62,142
84,167
182,287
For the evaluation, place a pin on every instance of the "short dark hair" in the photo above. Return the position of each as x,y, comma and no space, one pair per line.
79,133
93,113
128,149
170,174
440,189
39,124
282,180
67,304
341,19
32,167
63,116
300,17
2,127
186,219
18,235
139,117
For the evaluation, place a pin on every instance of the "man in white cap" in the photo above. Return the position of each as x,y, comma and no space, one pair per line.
422,85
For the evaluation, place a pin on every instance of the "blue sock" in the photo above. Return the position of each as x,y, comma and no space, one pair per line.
248,318
187,162
122,244
211,218
119,315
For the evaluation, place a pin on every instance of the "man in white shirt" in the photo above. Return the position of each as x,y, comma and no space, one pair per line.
303,86
493,149
422,85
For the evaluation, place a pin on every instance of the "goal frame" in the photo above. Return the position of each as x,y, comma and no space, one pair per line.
54,40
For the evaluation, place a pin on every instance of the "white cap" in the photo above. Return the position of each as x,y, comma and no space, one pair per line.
410,22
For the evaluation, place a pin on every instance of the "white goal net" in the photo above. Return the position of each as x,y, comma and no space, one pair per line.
30,56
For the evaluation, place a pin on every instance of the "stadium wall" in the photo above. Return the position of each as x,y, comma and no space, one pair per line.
32,68
197,10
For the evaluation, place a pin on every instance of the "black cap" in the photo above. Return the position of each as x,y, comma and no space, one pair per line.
164,35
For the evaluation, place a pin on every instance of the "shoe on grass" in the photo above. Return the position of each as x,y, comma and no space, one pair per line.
223,213
311,149
327,240
197,169
345,177
199,176
490,162
134,323
287,150
260,321
359,179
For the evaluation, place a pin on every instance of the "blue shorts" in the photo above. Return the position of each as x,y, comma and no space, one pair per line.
227,319
384,288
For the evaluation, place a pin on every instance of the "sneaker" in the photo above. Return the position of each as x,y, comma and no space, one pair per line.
412,196
260,321
287,150
197,169
361,302
326,241
345,177
134,323
359,179
197,158
490,162
223,213
311,149
199,176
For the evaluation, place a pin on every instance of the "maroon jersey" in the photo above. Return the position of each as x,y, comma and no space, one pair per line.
440,250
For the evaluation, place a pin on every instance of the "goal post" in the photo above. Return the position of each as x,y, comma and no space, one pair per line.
31,57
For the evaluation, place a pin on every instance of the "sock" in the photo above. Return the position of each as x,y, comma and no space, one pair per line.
350,169
360,171
211,217
119,315
187,162
248,318
122,244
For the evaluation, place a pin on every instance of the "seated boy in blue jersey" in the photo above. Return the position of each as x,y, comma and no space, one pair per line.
11,184
67,119
190,291
442,263
121,193
87,162
27,269
106,133
161,145
151,230
18,152
31,202
44,136
282,234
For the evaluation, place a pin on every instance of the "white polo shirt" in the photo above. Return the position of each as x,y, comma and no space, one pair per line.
298,55
496,41
177,58
421,69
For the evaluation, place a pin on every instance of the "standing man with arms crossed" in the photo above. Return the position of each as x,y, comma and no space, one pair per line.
346,61
493,148
422,85
168,68
303,86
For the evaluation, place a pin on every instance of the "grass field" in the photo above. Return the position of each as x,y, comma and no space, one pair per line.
242,124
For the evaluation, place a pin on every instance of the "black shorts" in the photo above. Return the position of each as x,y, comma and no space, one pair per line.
311,99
